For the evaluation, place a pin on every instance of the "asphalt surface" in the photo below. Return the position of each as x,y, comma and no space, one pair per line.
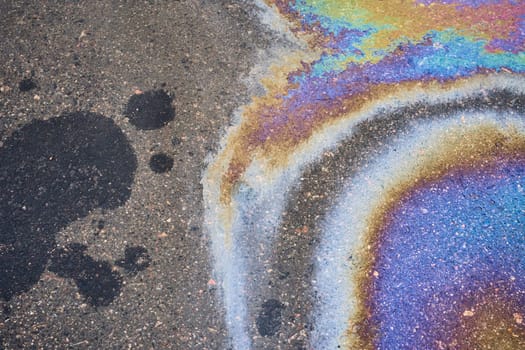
111,112
108,110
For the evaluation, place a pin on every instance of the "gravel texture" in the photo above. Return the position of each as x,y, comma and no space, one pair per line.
108,110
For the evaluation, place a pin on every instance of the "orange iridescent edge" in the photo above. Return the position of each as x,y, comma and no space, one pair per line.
278,148
478,147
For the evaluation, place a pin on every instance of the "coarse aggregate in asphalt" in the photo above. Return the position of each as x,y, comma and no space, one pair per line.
108,110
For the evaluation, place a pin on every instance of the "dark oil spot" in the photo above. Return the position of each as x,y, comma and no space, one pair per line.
95,280
26,84
135,259
269,320
51,173
161,163
150,110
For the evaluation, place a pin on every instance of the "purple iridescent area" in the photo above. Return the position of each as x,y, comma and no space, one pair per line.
445,244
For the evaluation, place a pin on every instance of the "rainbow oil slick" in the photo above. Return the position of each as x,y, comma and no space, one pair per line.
420,245
465,234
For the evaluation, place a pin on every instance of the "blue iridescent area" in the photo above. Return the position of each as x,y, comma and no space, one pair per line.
444,243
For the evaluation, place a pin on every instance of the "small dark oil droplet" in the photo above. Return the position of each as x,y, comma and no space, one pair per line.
26,84
161,163
150,110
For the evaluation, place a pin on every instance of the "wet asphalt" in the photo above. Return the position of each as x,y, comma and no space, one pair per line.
108,111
